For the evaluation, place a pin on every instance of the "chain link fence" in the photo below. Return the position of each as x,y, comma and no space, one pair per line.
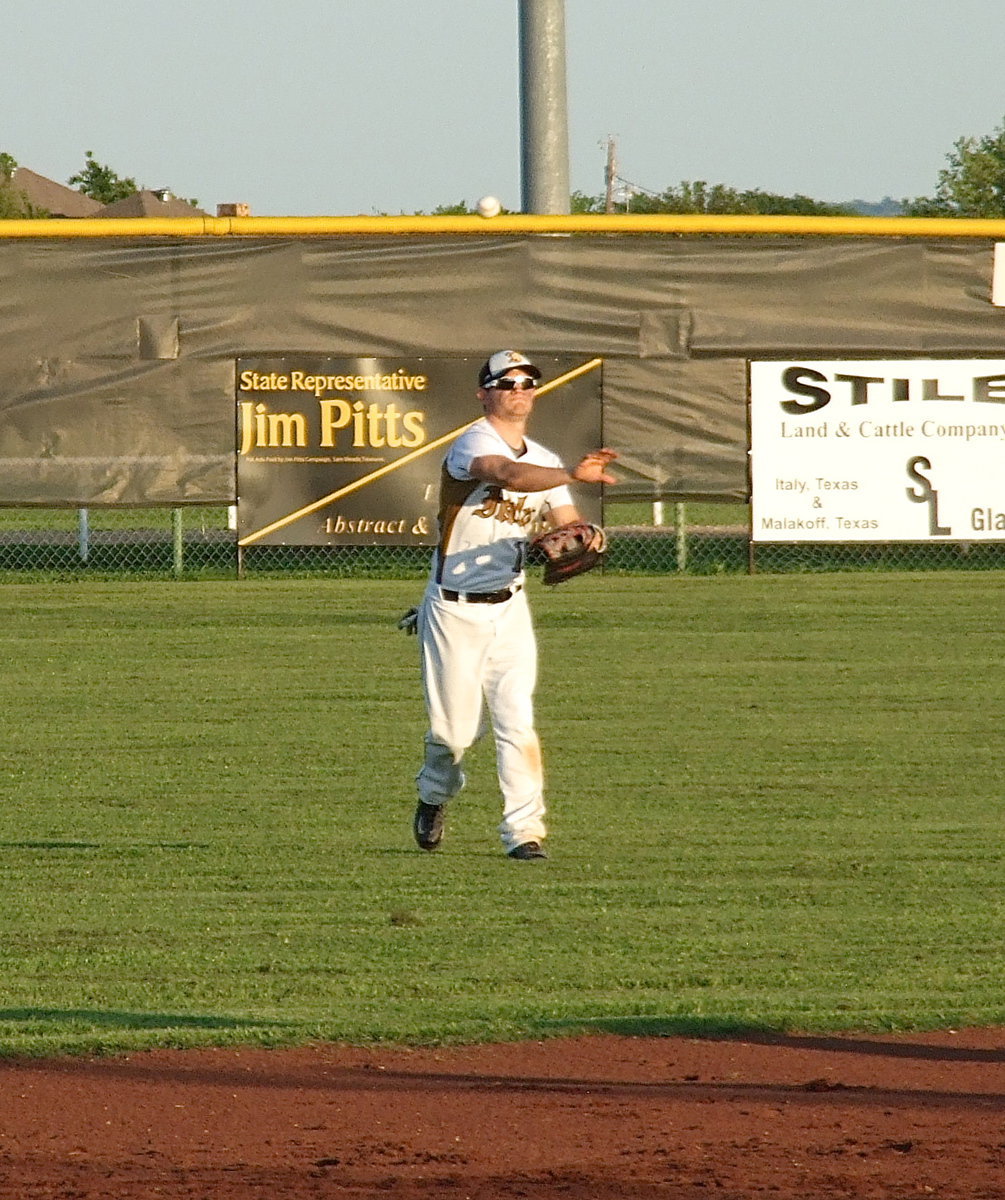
108,543
651,539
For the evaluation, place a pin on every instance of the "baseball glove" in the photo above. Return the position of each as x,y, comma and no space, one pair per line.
570,550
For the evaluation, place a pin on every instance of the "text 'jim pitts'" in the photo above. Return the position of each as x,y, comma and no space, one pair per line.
370,425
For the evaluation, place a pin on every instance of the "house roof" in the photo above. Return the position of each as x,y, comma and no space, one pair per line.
146,203
56,199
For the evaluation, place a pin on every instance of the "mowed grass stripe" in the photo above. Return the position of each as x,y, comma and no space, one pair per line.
775,803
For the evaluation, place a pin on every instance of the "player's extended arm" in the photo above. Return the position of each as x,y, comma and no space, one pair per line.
565,514
527,477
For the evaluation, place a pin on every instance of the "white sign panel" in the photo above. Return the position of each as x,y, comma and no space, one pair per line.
878,451
998,276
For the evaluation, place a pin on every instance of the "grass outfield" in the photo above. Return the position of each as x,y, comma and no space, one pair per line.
776,802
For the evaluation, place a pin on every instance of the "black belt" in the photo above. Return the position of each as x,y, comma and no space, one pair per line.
479,597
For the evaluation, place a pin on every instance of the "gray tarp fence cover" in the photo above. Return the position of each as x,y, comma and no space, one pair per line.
117,355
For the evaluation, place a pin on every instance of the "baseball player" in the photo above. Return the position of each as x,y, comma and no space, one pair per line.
476,639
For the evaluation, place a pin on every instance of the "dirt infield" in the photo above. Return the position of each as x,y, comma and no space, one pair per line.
583,1119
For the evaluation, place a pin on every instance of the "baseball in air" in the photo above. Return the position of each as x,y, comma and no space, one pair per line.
489,206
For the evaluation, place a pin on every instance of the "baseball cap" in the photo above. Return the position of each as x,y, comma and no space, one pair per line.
501,362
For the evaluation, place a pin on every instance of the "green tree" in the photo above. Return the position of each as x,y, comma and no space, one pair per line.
772,204
580,202
698,196
101,183
973,183
460,209
14,204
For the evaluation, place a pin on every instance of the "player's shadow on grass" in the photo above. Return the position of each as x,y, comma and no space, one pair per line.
99,1019
726,1029
51,846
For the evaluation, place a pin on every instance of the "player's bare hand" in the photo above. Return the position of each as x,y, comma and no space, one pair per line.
592,467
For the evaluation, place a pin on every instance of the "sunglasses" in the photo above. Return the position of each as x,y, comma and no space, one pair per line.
509,384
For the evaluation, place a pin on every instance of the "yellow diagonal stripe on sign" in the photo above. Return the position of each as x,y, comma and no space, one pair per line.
355,486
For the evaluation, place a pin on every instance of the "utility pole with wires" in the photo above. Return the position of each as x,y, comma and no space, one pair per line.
610,174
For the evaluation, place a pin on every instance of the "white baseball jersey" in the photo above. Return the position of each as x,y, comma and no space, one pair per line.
484,528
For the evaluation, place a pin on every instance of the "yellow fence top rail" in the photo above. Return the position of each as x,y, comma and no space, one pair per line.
515,223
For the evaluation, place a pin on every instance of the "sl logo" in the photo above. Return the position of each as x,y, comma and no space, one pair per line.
925,494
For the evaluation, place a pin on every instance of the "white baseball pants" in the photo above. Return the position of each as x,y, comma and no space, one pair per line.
475,655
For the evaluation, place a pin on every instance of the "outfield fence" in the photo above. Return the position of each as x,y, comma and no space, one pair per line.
647,539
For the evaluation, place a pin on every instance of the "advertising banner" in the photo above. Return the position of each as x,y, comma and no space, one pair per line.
871,450
347,451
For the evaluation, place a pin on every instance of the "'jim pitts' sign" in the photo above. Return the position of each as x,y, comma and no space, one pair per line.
904,450
325,449
347,451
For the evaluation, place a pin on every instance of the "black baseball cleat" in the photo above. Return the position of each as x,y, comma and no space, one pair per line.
527,852
428,825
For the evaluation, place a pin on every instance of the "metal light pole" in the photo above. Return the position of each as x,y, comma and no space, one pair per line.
544,121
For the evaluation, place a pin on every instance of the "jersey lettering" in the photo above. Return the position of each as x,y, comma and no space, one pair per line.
512,512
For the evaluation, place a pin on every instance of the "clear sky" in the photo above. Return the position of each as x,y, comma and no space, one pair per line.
361,106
